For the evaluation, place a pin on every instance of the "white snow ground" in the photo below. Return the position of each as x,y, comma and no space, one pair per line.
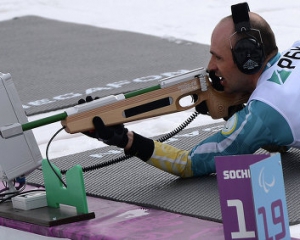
191,20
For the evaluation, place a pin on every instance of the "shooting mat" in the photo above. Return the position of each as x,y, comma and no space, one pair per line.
136,182
53,64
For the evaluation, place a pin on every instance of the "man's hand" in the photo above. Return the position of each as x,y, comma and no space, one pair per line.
113,135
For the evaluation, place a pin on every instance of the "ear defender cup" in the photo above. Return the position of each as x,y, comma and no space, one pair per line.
248,55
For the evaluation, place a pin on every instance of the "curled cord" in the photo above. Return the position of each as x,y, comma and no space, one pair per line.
125,157
179,128
47,157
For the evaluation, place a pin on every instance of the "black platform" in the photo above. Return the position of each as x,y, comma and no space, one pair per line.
44,216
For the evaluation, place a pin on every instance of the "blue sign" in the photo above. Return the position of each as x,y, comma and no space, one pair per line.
269,199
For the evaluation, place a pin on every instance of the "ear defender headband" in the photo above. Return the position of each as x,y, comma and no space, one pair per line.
248,53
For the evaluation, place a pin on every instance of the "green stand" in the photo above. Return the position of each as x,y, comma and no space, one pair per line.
55,214
56,193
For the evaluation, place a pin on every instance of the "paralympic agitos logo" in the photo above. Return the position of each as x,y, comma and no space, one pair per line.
279,77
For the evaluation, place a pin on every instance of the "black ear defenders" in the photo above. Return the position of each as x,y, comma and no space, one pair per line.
248,53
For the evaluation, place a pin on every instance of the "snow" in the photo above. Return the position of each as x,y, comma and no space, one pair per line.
191,20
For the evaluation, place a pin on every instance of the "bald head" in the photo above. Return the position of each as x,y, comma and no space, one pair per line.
225,29
236,71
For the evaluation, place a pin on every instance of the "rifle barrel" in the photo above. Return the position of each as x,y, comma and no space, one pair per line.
44,121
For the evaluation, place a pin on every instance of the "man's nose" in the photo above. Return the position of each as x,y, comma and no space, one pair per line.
211,65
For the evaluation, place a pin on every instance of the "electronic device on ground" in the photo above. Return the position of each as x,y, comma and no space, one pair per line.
19,155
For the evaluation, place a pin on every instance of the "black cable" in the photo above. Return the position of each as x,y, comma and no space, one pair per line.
179,128
47,157
104,164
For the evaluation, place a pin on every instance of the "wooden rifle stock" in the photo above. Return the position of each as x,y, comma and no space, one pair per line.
145,103
161,99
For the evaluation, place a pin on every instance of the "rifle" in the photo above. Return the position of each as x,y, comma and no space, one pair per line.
157,100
